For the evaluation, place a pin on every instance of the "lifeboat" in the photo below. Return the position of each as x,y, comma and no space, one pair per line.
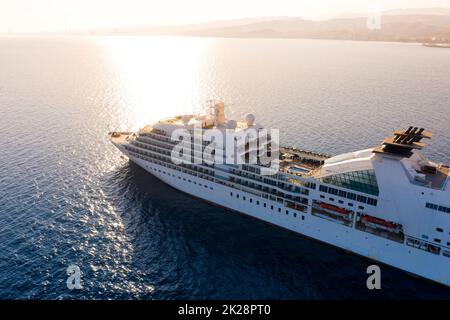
381,223
335,208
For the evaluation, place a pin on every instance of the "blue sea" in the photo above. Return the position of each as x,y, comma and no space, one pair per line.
69,198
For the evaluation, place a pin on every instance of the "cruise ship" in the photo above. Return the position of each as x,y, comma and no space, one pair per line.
388,203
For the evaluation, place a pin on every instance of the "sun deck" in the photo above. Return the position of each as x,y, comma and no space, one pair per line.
300,162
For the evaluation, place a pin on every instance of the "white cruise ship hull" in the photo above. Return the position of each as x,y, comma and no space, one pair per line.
395,254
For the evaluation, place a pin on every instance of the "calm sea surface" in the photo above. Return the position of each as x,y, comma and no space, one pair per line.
67,197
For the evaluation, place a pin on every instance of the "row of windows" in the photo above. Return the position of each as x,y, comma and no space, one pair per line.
264,179
362,181
245,168
437,207
161,155
184,179
160,160
199,169
341,202
348,195
270,192
251,169
437,240
244,198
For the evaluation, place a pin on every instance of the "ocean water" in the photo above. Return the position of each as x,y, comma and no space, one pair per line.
68,198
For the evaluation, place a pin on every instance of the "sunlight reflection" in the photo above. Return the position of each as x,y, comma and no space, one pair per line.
159,76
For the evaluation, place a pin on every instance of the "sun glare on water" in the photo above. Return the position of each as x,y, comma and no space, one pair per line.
158,76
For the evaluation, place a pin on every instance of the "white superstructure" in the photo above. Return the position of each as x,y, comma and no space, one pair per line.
388,203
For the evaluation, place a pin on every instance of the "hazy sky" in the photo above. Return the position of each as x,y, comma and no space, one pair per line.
41,15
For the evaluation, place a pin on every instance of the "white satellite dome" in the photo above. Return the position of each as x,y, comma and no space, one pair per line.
186,119
231,124
250,119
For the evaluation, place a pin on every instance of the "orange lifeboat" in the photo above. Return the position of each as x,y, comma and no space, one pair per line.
334,208
381,222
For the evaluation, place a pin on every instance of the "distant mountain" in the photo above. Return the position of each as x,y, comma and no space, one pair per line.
408,25
437,11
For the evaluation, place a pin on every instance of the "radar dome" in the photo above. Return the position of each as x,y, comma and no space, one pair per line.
231,124
250,119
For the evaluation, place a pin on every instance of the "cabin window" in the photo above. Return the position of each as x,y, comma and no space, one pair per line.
351,196
439,230
437,240
279,209
342,193
333,191
362,199
322,196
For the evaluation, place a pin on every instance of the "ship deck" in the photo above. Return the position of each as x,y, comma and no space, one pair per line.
118,137
300,162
